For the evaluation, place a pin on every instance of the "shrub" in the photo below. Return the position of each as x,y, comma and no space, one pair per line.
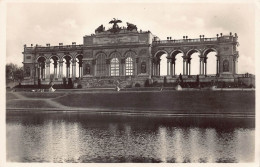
64,82
146,84
164,81
70,84
137,85
79,86
39,83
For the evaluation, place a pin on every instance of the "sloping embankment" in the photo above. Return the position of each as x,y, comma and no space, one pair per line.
186,101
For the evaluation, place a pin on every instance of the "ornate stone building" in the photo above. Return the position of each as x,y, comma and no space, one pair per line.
127,54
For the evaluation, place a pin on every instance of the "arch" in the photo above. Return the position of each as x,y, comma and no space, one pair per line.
129,66
130,53
78,65
211,60
100,52
192,62
176,66
207,51
41,58
161,66
160,53
175,52
54,60
191,51
66,55
114,67
114,54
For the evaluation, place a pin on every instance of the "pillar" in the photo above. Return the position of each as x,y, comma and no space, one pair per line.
189,67
183,67
205,61
67,69
200,67
48,70
60,69
174,69
40,71
171,67
159,72
136,66
73,69
55,68
217,67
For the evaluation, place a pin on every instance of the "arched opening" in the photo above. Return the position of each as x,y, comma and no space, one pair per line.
160,63
67,66
211,63
79,68
53,68
41,68
114,67
193,62
177,62
129,67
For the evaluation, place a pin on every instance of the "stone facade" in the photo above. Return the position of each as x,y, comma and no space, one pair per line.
128,55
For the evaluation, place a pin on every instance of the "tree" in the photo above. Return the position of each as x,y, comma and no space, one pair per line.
14,73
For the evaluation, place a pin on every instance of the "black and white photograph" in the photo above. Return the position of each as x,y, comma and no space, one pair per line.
129,82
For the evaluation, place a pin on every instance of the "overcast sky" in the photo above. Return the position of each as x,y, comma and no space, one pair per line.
41,23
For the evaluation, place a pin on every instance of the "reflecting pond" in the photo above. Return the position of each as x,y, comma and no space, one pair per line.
78,137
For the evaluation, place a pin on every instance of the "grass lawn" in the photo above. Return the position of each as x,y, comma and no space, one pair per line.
10,96
28,104
42,94
190,101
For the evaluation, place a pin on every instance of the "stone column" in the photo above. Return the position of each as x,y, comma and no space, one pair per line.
43,73
200,66
40,71
171,67
189,67
67,69
136,66
48,70
217,67
122,67
36,70
205,60
73,69
60,69
159,71
183,67
55,68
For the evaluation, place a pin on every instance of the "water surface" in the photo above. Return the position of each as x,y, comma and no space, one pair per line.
113,138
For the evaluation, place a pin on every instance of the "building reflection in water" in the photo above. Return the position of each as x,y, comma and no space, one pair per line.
100,138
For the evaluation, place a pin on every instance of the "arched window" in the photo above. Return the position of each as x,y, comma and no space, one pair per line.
101,65
129,66
114,67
